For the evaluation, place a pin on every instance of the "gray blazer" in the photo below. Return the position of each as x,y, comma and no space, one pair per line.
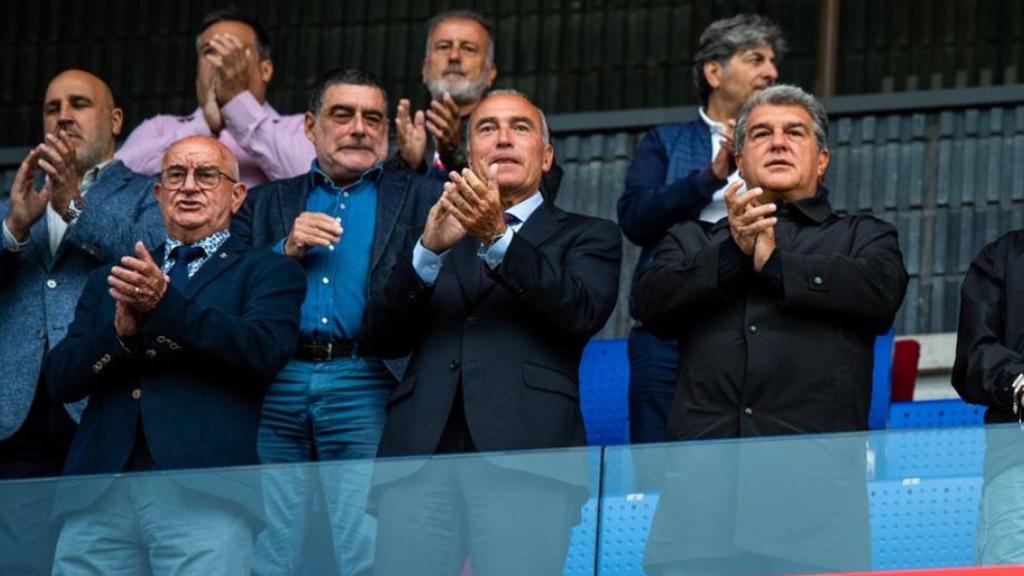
38,291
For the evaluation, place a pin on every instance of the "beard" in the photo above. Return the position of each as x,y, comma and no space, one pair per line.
462,89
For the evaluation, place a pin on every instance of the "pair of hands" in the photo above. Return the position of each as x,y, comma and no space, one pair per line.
137,285
468,205
56,157
442,120
724,163
751,223
228,73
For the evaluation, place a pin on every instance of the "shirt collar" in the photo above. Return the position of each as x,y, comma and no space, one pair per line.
210,244
91,176
526,207
816,208
320,178
714,127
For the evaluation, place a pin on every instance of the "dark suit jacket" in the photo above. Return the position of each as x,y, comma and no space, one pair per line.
200,368
403,200
513,338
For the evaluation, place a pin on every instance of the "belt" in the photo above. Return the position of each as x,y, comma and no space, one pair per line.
319,351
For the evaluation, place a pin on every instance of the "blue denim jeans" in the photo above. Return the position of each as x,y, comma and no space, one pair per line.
321,411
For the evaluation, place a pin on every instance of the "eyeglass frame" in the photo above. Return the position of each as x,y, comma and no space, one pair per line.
220,174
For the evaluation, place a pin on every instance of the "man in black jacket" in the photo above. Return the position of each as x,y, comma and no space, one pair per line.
775,308
989,370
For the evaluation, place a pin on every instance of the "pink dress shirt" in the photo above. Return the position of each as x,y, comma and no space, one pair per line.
268,146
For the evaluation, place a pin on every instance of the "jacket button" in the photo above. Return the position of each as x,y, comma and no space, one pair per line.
136,394
51,283
161,339
150,353
105,359
748,411
818,281
96,368
753,329
453,365
471,321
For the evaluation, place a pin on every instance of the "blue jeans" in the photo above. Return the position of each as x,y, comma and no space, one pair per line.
653,368
319,411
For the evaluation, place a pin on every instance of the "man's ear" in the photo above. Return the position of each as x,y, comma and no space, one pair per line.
713,73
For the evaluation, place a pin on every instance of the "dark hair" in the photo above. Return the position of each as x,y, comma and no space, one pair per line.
344,75
723,39
463,15
234,14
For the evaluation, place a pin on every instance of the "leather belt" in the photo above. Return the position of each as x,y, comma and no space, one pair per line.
317,351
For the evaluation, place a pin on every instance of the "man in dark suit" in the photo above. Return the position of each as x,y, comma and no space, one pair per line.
175,351
91,209
496,303
346,222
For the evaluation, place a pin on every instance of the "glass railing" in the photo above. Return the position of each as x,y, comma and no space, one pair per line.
879,501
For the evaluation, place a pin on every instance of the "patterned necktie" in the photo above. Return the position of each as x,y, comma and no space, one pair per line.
183,255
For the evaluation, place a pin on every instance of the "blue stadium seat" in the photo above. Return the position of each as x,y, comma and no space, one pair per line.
625,525
580,561
881,381
923,522
951,413
604,392
932,453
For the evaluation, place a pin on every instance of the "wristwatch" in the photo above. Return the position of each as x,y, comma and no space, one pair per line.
74,210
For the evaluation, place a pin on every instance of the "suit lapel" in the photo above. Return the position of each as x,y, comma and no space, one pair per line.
214,266
392,187
289,206
541,224
40,234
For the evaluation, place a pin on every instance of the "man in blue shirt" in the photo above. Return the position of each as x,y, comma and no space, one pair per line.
679,172
346,222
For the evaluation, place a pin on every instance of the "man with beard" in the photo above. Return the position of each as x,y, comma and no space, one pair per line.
89,210
457,70
346,223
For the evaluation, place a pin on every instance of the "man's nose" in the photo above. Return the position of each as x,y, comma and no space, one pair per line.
771,71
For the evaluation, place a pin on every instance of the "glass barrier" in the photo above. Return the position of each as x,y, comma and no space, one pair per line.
824,504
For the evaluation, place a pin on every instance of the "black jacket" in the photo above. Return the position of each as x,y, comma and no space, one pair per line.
787,350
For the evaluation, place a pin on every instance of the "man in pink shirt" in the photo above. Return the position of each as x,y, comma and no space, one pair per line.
232,73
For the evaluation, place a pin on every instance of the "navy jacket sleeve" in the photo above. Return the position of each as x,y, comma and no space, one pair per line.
649,206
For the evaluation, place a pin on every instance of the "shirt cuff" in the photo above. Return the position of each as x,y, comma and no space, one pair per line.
426,263
732,263
493,255
10,242
772,274
241,113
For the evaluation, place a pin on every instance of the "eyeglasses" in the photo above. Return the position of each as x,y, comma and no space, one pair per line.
206,177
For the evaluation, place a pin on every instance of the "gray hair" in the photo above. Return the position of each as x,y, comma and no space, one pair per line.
723,39
511,92
785,95
463,15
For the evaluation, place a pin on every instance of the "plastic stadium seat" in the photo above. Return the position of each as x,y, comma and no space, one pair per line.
881,381
923,522
933,453
625,525
580,561
604,391
951,413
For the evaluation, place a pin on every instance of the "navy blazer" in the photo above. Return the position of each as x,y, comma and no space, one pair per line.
403,201
38,291
198,373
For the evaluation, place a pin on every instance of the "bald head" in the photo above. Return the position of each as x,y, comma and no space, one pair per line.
198,190
81,105
226,158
